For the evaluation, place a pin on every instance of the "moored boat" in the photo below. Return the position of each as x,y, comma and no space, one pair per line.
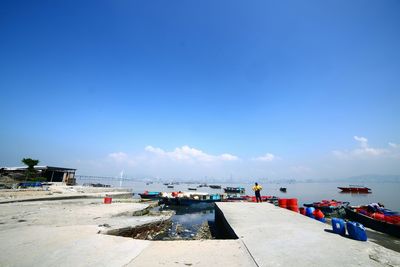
355,189
187,199
282,189
235,197
192,188
269,199
215,186
239,190
150,195
385,223
327,206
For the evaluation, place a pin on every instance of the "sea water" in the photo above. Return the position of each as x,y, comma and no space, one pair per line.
385,193
190,218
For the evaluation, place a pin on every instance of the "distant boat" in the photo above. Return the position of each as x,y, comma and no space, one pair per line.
192,188
203,185
170,186
282,189
355,189
215,186
239,190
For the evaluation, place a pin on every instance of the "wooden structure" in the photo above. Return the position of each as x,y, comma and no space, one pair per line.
52,174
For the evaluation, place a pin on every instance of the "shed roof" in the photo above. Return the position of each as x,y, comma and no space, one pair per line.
39,168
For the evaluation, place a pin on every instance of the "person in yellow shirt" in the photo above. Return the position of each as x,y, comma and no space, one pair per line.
257,188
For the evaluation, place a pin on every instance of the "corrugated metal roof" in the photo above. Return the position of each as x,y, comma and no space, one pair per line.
21,168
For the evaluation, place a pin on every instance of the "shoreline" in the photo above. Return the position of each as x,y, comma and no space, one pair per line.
79,227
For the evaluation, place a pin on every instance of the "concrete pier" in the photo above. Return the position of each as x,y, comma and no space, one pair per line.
69,233
280,237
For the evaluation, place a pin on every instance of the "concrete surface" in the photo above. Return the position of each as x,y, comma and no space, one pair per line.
66,233
66,246
194,253
279,237
59,192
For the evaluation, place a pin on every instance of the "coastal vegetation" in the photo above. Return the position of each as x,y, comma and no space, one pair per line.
31,163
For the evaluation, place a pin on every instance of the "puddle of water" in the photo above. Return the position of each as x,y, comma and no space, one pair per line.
190,222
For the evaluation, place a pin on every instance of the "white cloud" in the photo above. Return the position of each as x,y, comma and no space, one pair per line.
121,158
363,151
118,156
393,145
228,157
186,153
266,157
363,141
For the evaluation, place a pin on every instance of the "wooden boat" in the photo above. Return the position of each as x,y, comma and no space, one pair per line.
378,225
150,195
355,189
282,189
239,190
215,186
328,206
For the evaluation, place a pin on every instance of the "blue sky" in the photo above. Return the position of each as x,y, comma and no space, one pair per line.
190,89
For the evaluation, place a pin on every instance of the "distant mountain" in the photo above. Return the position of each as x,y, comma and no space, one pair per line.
371,178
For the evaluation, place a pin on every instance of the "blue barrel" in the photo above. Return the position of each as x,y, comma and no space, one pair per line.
338,226
309,212
356,231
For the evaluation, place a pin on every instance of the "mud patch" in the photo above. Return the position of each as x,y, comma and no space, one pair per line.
149,231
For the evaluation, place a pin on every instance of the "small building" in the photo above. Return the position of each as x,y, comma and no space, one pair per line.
52,174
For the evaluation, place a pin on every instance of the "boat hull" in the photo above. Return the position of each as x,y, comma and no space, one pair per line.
364,190
186,201
234,190
149,196
328,207
384,227
215,186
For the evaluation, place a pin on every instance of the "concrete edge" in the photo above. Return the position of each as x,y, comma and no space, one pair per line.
222,223
65,197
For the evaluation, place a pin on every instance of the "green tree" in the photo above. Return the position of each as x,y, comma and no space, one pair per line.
31,166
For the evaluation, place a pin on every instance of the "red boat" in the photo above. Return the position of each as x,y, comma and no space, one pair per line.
328,206
355,189
386,221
